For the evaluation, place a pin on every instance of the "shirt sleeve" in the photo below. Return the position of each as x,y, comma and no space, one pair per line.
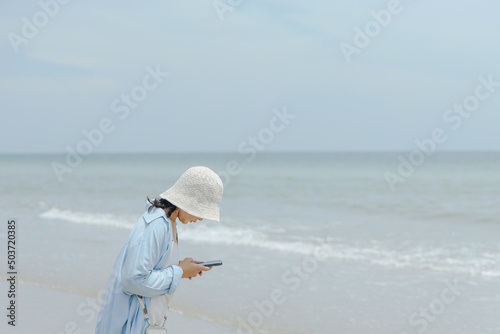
138,273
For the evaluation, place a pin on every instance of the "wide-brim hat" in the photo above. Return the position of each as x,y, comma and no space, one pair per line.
198,192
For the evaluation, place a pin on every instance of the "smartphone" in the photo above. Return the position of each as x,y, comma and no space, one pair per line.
212,263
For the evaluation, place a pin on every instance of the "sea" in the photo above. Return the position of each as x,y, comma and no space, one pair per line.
310,242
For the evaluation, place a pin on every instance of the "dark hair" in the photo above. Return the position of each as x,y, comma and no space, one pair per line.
162,204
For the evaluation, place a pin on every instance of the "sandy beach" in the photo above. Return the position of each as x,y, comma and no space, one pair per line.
47,309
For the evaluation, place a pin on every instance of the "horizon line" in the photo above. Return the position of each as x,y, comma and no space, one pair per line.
258,152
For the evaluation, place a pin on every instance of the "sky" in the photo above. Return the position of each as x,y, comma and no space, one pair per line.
204,75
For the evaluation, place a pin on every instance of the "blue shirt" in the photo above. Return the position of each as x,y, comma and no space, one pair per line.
138,271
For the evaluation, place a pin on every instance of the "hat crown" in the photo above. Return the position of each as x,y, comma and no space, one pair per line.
198,192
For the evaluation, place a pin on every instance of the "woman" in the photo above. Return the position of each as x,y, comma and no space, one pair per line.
148,264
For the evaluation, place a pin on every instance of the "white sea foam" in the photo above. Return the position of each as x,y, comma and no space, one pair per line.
81,217
474,259
469,258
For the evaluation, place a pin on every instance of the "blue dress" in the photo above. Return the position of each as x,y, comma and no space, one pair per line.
138,270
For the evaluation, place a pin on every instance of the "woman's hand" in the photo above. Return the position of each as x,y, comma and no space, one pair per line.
192,268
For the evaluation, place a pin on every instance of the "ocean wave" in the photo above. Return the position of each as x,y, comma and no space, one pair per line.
471,259
459,258
81,217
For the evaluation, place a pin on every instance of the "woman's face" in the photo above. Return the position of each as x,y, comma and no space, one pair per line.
186,218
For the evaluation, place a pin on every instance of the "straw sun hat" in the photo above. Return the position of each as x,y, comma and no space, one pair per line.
198,192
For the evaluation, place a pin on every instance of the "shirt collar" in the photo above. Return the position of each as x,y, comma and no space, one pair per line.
154,214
